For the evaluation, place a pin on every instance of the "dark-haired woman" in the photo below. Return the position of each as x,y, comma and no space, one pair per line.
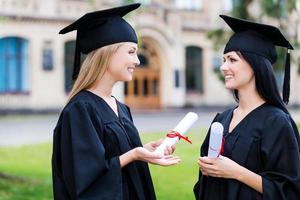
260,157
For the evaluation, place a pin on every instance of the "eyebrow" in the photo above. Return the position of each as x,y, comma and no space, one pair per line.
228,56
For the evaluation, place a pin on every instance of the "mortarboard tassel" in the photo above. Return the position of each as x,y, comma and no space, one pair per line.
286,81
76,66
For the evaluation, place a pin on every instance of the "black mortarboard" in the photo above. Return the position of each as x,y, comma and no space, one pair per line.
259,39
101,28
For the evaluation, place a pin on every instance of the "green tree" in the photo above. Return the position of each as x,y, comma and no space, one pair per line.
278,10
240,8
275,9
219,36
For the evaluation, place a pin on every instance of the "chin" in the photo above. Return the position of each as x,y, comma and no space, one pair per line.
129,78
230,87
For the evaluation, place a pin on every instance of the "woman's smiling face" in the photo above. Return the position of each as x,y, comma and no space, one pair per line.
236,71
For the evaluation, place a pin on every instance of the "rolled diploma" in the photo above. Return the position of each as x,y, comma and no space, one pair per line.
182,127
215,140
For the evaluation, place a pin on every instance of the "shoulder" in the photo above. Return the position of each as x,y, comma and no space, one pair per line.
277,122
276,116
278,127
81,101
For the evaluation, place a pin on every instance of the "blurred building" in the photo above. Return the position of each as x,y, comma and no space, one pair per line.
178,62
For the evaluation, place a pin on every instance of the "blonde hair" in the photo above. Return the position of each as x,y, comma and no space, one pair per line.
93,68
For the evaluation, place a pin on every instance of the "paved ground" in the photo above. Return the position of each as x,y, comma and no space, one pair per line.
20,130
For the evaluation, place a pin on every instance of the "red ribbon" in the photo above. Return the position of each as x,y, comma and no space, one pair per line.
173,134
222,146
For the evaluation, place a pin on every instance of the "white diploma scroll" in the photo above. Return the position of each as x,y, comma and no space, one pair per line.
182,127
215,140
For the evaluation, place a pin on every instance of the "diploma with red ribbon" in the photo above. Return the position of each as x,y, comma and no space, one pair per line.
178,132
216,140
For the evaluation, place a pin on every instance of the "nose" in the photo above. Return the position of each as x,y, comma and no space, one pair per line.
137,61
224,67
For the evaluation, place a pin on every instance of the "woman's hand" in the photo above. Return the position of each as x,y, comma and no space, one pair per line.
151,146
143,154
147,154
224,167
219,167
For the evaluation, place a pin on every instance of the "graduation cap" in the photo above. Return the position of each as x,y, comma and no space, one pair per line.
99,29
259,39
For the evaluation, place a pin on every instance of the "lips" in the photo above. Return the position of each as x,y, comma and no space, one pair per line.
228,77
130,69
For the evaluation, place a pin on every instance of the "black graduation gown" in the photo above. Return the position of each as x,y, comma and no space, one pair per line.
88,140
266,142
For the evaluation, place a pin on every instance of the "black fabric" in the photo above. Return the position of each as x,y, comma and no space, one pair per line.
286,81
99,29
87,142
266,142
259,39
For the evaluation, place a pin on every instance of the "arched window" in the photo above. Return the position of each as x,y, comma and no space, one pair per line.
13,65
194,76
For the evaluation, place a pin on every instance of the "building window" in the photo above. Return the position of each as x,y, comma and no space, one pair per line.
145,86
48,56
194,76
136,87
13,65
177,78
69,61
189,4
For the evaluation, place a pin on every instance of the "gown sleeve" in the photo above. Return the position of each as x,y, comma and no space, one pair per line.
281,160
86,171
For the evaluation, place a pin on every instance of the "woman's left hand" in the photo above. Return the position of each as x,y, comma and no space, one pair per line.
219,167
151,146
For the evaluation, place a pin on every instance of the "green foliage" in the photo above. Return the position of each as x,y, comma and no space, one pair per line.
280,63
278,8
272,8
218,37
240,8
129,1
291,5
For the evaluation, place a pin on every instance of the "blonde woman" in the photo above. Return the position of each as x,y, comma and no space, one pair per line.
97,152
